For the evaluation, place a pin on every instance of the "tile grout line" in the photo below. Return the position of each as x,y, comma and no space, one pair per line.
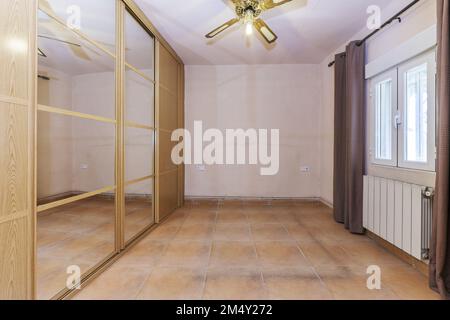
259,266
205,277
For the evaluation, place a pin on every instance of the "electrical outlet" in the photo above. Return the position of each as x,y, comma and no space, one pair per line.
201,167
305,169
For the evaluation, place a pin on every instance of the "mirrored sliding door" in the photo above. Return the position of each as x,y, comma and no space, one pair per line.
76,141
139,111
91,204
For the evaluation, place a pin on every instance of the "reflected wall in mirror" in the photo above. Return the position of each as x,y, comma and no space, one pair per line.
76,142
139,127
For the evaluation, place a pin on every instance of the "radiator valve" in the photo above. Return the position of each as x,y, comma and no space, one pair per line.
428,193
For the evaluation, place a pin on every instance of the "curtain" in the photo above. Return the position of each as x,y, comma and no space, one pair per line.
356,137
339,137
349,151
440,248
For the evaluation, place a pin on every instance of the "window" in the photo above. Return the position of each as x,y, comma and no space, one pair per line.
385,103
403,115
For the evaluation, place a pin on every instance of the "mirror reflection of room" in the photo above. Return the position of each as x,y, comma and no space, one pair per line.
77,141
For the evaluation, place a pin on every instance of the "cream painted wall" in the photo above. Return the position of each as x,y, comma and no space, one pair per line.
285,97
93,141
54,143
414,21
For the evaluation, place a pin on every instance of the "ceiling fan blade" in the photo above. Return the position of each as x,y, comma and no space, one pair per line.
222,28
270,4
63,35
265,31
44,4
59,40
41,53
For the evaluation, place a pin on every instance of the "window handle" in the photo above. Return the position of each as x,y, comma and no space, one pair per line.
397,120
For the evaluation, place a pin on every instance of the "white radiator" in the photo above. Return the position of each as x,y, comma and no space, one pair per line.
400,213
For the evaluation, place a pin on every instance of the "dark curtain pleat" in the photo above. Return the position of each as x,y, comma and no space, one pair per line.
355,135
339,138
440,245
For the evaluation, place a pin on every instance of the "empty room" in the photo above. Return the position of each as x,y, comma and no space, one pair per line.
224,150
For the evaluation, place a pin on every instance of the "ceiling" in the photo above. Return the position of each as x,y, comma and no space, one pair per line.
307,33
97,21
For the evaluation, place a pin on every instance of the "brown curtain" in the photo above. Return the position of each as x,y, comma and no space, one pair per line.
440,245
339,137
349,152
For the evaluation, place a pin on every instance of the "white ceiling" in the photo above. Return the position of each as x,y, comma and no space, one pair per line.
98,23
307,34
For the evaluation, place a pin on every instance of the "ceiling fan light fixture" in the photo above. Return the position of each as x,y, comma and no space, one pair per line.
249,28
248,21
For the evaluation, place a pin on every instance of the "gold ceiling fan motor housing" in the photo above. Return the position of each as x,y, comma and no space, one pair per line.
249,11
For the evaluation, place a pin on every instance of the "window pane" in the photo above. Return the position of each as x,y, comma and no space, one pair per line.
416,110
383,121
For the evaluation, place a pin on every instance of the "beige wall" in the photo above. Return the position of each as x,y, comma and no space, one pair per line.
416,20
285,97
54,135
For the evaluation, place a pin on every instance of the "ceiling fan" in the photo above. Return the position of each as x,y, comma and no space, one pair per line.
249,12
54,32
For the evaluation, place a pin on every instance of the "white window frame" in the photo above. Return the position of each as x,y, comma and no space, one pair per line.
429,59
397,74
389,75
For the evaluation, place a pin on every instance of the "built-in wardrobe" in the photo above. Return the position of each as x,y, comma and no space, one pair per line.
89,97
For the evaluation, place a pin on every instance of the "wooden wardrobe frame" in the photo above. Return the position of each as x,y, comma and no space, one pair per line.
18,98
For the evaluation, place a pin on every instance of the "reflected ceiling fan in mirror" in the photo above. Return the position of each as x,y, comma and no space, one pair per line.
54,32
249,12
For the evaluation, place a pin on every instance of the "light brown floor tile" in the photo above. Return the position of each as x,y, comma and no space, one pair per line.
232,232
286,217
238,254
349,283
232,216
195,232
163,232
280,254
174,221
51,276
173,284
201,217
117,283
144,254
269,232
262,217
294,284
186,253
408,284
300,233
228,284
81,233
325,253
369,253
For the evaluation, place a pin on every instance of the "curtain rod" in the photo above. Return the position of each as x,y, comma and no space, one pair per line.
394,18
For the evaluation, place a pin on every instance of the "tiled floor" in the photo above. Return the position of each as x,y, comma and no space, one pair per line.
82,234
253,250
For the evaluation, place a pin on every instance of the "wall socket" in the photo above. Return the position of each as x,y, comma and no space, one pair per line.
305,169
200,167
